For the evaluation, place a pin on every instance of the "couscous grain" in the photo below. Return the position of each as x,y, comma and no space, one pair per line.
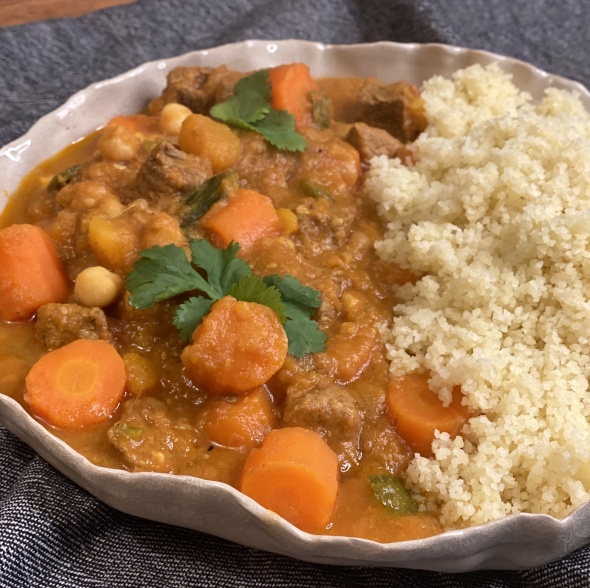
495,216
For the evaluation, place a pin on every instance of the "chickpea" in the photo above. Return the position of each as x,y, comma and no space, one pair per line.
118,144
172,117
97,286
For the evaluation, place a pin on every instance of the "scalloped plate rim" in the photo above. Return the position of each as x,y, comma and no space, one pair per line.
488,546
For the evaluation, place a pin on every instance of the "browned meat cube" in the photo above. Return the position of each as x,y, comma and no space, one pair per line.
168,174
60,324
396,108
370,141
150,438
198,88
331,412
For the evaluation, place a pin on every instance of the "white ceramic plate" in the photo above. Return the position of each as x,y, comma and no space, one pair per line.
519,541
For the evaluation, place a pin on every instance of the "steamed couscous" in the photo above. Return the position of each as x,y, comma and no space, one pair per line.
493,211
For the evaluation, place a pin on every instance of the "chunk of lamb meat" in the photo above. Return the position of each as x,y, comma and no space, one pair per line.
167,176
60,324
263,168
150,439
331,412
383,448
371,141
396,108
198,88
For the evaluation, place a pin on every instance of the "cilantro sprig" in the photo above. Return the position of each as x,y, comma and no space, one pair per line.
249,109
162,273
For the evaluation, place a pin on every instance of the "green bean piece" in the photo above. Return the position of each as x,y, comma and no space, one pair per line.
391,493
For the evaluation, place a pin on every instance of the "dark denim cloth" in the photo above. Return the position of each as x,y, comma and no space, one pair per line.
54,534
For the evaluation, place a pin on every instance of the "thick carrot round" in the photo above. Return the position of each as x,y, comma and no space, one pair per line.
418,412
237,346
31,273
295,474
77,385
242,422
244,217
290,88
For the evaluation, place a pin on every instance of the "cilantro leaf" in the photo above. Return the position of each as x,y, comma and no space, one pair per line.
300,303
249,109
253,289
304,336
189,314
278,128
222,266
161,273
294,293
249,103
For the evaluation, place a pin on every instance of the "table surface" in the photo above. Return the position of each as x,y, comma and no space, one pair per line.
13,12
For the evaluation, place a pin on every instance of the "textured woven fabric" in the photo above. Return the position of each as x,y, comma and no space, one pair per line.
54,534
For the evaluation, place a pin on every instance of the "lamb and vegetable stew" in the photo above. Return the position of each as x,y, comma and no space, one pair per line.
194,290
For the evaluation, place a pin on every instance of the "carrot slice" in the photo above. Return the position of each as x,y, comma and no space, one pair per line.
244,422
237,346
31,273
418,412
291,85
245,217
294,473
77,385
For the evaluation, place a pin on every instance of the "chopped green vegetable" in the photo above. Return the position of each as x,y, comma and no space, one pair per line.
161,273
204,196
315,190
391,493
249,109
63,178
129,431
321,109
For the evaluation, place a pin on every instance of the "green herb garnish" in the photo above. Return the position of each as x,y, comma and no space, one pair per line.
249,109
300,303
129,431
164,272
321,109
63,178
204,196
315,190
391,493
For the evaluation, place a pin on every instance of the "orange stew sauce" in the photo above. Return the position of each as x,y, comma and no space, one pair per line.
129,192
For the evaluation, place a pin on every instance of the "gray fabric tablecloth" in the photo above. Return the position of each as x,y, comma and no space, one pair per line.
53,533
